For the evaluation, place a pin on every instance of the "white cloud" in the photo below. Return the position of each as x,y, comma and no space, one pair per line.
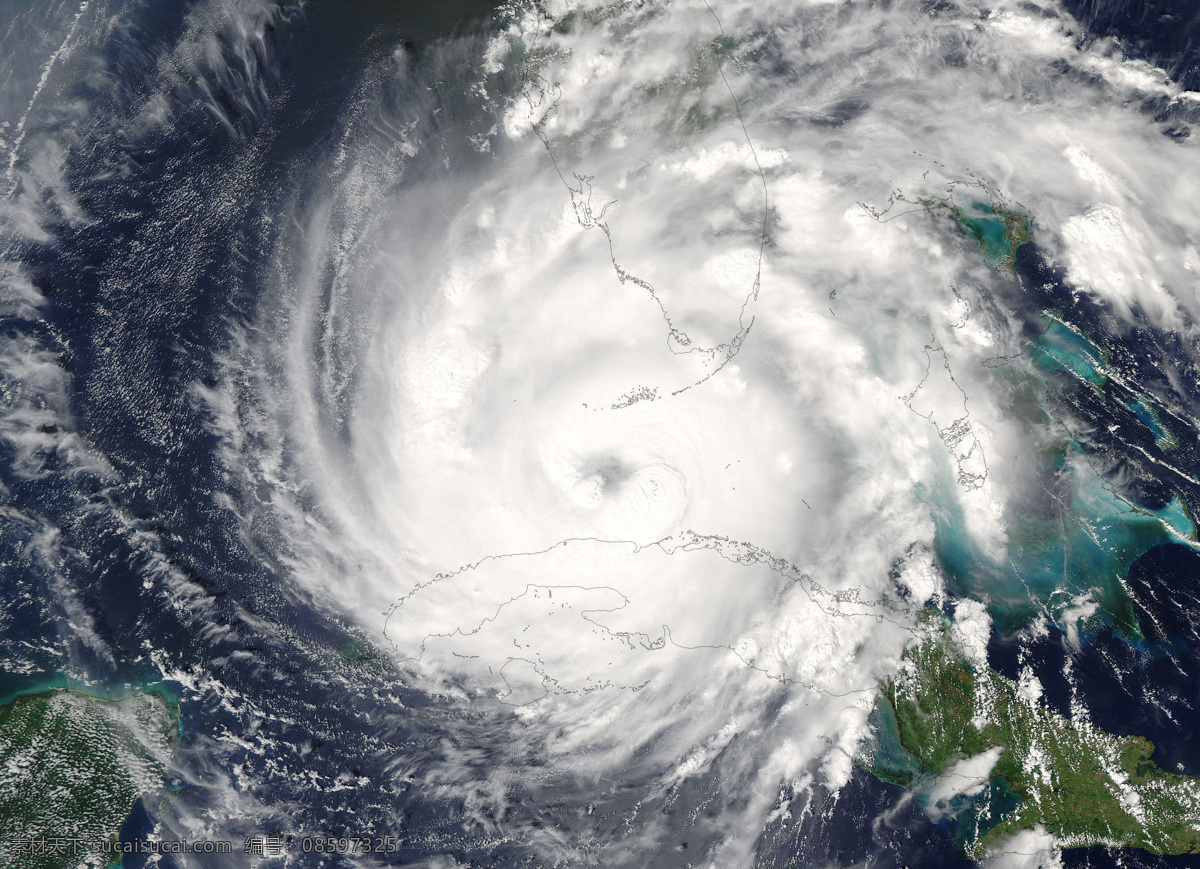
967,777
1030,849
554,407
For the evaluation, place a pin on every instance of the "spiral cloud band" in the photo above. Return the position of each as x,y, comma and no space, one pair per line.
631,378
652,372
625,387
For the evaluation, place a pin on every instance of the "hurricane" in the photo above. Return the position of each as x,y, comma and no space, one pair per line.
673,433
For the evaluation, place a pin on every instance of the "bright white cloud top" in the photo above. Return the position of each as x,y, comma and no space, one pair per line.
614,391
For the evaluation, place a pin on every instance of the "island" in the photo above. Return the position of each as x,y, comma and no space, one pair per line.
988,752
72,766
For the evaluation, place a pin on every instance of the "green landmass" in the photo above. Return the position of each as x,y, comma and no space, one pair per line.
997,229
72,765
1084,786
361,654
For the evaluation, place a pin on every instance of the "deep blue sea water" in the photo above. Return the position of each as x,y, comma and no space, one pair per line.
1160,31
134,325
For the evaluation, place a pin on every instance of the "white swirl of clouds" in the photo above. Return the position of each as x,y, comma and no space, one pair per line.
537,400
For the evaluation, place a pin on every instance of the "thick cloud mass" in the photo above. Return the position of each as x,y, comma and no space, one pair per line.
623,387
615,368
622,382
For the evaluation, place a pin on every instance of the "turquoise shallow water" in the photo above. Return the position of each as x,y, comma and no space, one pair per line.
1083,543
967,817
1050,562
1142,408
887,757
1062,348
977,814
168,691
980,221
